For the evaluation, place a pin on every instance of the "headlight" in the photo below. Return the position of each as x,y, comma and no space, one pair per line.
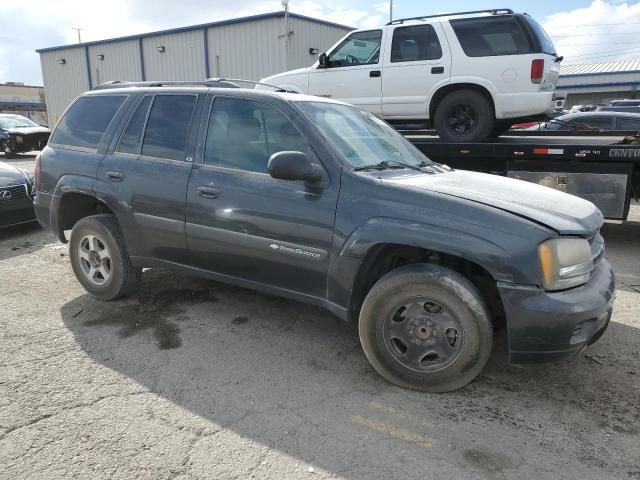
565,262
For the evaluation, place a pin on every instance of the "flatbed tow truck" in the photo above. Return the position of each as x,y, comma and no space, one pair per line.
603,168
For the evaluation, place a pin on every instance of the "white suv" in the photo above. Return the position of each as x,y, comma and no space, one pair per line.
470,75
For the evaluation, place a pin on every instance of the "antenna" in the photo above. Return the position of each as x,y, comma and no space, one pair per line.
78,30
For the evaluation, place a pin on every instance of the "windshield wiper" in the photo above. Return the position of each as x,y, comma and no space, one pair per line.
386,164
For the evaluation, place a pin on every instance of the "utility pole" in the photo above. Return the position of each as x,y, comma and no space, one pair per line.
78,30
287,33
391,10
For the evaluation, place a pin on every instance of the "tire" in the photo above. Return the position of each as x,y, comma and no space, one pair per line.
472,113
445,309
99,258
8,153
501,127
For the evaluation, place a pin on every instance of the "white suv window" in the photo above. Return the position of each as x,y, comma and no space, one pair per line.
491,36
360,48
414,43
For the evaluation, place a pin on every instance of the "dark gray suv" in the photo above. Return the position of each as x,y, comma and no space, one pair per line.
319,201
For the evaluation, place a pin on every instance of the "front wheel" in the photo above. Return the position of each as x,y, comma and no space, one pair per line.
464,116
425,327
99,258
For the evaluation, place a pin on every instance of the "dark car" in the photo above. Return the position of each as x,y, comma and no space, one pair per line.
19,134
16,196
596,121
322,202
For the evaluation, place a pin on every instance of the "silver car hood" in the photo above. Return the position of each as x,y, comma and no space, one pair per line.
567,214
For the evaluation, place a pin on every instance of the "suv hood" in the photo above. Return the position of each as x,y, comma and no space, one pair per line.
288,73
567,214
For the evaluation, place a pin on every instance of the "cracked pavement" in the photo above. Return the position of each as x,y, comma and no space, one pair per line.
189,378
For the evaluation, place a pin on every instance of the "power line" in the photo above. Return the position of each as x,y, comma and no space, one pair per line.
599,34
611,53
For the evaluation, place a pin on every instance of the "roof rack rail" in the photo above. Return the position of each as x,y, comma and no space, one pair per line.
219,83
279,89
495,11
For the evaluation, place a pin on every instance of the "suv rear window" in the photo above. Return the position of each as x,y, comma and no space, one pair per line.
491,36
84,124
414,43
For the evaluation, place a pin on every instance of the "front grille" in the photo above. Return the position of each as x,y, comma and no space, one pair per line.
16,192
596,243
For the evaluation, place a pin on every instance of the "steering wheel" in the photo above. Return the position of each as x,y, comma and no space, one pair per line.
352,60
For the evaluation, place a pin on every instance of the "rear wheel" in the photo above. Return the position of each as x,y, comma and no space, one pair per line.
464,116
99,258
425,327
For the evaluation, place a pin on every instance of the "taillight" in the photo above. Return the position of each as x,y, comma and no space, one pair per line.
37,174
537,71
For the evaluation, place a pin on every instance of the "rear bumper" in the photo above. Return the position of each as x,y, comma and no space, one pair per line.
42,208
515,105
549,326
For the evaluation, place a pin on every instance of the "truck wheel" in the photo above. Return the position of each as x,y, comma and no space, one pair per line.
99,258
8,153
425,327
464,116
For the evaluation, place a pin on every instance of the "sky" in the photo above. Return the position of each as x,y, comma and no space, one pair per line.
583,31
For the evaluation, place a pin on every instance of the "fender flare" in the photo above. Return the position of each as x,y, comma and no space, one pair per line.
67,184
346,264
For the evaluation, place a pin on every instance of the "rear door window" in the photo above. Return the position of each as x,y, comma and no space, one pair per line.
414,43
132,135
168,126
491,36
84,124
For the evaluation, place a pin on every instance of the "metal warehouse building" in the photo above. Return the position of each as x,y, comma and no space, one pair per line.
597,83
250,48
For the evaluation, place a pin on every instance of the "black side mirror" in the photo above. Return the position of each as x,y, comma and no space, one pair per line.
323,60
293,166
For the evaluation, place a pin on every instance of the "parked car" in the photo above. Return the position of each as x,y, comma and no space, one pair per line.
470,77
19,134
629,109
528,125
16,196
596,121
625,102
325,203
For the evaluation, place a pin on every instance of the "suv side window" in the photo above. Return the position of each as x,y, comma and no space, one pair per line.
416,42
84,124
491,36
132,135
628,123
360,48
243,134
168,126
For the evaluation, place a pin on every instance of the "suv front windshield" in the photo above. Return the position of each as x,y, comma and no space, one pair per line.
16,122
360,137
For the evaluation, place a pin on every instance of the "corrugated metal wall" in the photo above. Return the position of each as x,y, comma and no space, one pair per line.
308,35
183,58
121,62
250,50
63,83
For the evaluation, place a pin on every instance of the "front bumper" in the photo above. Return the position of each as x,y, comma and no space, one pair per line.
549,326
18,208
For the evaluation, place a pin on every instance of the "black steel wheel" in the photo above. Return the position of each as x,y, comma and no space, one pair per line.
464,116
425,327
